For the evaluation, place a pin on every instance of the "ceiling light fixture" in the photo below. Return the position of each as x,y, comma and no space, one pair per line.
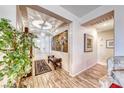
31,17
43,34
56,31
47,26
104,24
37,23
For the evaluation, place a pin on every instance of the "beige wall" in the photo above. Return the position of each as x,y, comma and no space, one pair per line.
103,52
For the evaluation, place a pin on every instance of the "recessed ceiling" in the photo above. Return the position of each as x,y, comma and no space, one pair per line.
80,10
40,23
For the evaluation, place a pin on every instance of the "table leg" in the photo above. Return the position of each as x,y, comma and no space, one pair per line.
60,65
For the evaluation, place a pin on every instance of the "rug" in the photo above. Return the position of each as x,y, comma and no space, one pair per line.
41,67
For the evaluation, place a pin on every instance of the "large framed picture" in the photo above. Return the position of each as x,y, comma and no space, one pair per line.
88,43
60,42
110,43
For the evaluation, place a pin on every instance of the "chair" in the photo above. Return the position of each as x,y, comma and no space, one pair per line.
116,69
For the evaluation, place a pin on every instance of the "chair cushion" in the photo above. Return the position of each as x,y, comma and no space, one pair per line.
118,76
118,59
113,85
118,66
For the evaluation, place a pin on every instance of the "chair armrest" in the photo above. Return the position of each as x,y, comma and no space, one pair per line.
110,65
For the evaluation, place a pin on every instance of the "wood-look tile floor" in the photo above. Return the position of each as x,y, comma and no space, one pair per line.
61,79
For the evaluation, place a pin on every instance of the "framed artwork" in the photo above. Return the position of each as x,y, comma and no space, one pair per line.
60,42
88,43
110,43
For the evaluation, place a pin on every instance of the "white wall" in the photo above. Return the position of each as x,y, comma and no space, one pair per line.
85,59
103,52
63,55
119,31
9,12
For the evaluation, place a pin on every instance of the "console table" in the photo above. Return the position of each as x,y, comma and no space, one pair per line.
57,62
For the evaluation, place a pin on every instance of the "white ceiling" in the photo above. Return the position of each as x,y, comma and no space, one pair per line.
80,10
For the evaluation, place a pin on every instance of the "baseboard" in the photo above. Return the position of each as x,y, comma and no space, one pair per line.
73,75
102,63
65,69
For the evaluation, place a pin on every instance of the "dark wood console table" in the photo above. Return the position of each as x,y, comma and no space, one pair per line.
57,62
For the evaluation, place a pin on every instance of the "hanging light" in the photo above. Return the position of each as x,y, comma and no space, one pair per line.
37,23
43,34
47,26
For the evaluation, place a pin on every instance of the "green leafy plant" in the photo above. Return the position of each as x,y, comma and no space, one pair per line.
15,45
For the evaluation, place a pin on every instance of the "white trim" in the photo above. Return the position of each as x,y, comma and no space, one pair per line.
73,75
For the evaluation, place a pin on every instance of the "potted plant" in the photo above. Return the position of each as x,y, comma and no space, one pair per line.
15,45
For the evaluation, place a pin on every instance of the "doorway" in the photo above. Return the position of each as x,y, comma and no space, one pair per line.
104,27
46,25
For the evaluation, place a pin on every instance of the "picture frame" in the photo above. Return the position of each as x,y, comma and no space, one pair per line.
60,42
110,43
88,43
